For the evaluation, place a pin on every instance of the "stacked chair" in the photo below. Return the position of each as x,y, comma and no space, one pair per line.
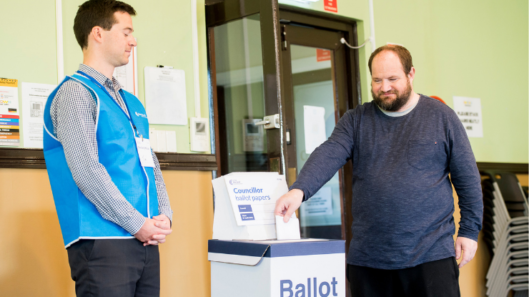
506,233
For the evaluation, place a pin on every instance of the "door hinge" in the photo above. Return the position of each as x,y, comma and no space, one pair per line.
284,37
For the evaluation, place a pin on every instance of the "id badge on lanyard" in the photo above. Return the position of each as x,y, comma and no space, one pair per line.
144,151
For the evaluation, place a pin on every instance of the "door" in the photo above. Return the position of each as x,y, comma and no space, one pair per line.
315,77
243,50
266,60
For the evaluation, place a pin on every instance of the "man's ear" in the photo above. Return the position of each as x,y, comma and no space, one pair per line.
96,34
411,75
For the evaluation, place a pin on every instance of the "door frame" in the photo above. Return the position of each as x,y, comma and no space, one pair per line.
324,39
346,89
220,12
273,16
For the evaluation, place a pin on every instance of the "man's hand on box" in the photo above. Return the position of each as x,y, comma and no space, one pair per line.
287,204
150,234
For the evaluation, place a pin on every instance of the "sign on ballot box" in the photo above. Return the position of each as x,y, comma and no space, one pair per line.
296,268
245,203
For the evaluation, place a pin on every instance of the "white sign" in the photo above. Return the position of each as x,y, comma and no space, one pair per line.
165,96
34,98
314,124
318,205
469,112
244,205
253,197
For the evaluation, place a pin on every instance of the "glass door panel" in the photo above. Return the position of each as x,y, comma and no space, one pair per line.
240,91
315,118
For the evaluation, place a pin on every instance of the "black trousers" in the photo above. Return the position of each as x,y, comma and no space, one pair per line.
431,279
115,267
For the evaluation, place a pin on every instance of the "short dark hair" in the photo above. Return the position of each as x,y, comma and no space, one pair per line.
403,54
97,13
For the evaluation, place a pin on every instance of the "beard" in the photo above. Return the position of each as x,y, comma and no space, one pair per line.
393,105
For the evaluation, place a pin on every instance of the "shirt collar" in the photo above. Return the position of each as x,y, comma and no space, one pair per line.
100,78
397,114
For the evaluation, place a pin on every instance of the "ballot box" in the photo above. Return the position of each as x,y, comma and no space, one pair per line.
245,203
306,267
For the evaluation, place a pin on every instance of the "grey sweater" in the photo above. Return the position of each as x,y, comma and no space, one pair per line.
402,193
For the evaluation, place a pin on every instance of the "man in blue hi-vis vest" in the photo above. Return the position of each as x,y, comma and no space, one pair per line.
107,184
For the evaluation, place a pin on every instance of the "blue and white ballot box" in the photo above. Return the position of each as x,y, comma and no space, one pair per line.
271,268
245,203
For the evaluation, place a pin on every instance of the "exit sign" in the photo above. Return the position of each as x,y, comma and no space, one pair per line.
330,5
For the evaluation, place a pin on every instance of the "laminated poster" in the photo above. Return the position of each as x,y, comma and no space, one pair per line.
9,113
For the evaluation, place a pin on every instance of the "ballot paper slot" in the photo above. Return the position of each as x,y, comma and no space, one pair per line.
245,204
250,253
239,253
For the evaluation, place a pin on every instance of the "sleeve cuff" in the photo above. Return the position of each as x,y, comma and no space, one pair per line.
135,223
168,213
469,235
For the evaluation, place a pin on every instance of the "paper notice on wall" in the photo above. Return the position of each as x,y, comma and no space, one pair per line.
319,204
253,135
153,137
127,75
34,98
165,96
469,112
161,144
314,125
8,96
170,137
9,113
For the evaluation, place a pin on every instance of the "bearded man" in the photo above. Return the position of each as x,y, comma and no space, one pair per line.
403,146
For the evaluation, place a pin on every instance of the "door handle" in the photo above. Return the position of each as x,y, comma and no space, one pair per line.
262,123
270,122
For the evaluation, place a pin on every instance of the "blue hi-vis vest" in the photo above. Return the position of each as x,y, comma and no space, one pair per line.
78,217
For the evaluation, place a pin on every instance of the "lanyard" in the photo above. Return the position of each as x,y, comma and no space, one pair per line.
122,97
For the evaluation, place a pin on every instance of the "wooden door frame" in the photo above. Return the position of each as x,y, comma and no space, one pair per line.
273,19
219,12
316,38
345,84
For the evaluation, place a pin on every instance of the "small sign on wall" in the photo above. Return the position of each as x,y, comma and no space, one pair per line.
323,55
330,5
469,112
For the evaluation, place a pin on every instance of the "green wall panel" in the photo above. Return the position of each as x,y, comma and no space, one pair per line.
163,31
470,48
459,48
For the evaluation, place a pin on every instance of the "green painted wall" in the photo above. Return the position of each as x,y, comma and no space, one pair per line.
28,48
162,28
460,48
